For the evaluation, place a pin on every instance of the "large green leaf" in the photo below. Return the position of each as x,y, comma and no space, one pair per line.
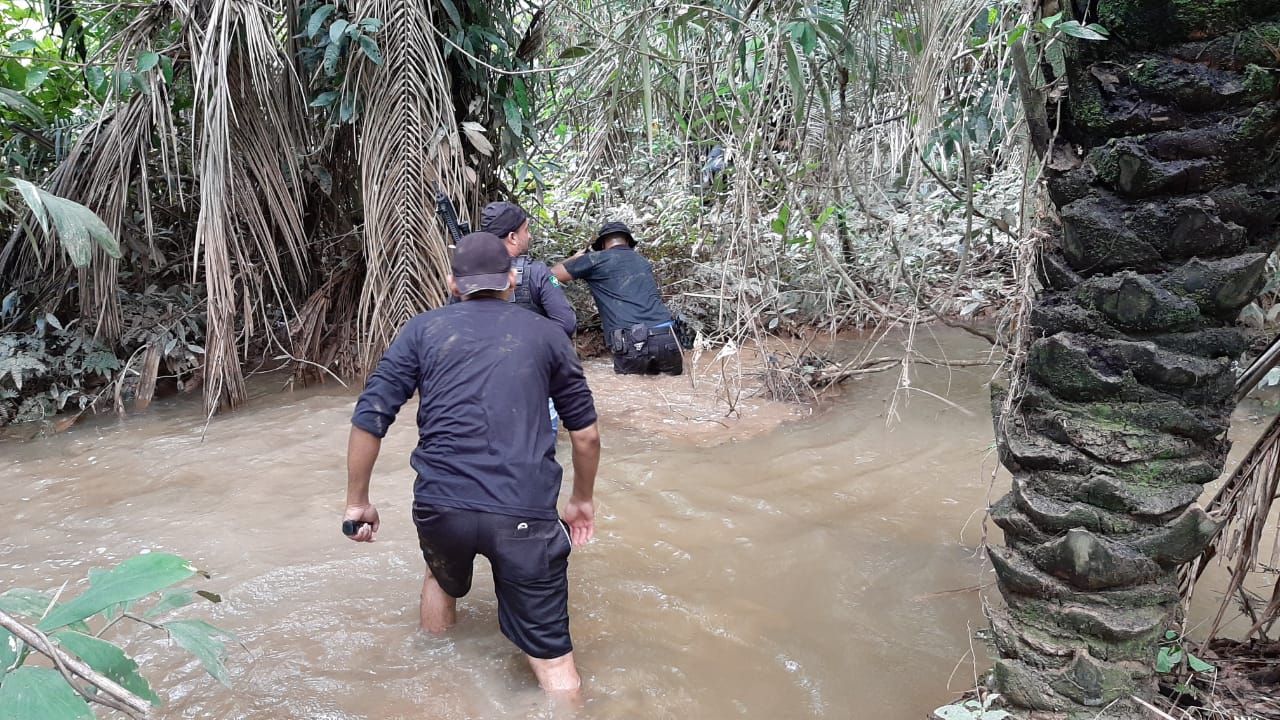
35,78
97,79
134,578
78,226
512,112
35,693
201,639
15,101
332,54
32,196
147,59
370,48
108,660
796,75
453,13
21,601
317,19
337,30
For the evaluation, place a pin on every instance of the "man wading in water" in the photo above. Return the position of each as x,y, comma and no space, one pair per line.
487,478
638,328
536,288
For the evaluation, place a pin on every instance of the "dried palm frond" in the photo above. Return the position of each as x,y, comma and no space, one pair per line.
99,173
112,156
324,330
409,141
249,199
1243,504
535,37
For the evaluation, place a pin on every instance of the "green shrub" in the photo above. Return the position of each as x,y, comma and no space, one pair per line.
37,692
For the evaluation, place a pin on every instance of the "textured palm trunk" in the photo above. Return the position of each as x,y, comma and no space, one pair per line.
1165,175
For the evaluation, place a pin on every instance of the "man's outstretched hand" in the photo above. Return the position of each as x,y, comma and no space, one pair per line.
580,516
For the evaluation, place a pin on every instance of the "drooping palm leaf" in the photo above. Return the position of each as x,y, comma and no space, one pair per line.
113,156
408,142
1244,504
77,227
248,201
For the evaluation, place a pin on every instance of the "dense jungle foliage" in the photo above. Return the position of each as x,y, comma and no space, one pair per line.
269,171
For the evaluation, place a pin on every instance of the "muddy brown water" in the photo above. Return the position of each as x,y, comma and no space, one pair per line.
780,564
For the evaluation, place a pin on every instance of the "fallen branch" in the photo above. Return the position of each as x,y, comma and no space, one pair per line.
835,374
116,696
1159,713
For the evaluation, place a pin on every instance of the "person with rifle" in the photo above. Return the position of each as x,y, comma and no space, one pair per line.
638,327
487,477
536,288
455,227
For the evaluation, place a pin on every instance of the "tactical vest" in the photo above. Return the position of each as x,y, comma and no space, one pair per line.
524,294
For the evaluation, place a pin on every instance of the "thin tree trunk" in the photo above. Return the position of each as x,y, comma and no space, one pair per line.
1163,170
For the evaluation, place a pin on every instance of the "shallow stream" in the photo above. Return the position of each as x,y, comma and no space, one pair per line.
781,564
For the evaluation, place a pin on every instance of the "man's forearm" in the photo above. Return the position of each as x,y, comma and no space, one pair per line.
586,460
561,274
362,453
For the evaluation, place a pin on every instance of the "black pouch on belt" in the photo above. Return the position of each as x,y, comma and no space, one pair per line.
639,334
618,341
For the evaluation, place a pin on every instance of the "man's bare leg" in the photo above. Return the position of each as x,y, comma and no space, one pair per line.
557,676
439,608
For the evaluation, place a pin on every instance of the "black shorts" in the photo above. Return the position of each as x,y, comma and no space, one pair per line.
530,559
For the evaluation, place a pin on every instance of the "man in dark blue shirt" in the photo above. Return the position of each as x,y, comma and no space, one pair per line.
536,288
487,478
637,326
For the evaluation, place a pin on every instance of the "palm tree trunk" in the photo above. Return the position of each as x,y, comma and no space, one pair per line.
1163,168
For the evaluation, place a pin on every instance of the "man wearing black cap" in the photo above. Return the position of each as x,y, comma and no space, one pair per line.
487,478
536,288
637,326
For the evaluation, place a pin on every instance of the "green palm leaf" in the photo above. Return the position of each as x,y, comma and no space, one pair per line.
78,227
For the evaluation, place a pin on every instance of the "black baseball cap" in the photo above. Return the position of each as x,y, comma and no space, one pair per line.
502,218
612,228
481,262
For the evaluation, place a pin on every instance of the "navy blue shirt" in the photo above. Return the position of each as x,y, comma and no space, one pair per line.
483,370
622,283
547,296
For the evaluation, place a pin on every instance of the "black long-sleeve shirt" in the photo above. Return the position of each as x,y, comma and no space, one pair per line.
483,370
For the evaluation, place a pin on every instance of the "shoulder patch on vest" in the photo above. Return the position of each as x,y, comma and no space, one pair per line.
556,281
